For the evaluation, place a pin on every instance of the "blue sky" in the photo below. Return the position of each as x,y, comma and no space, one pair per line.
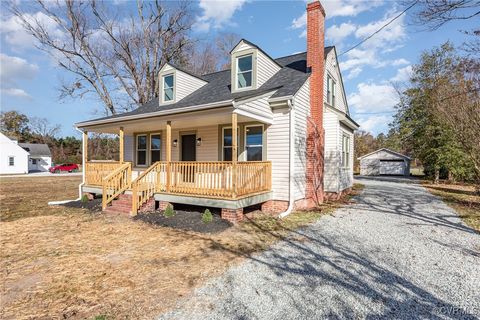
30,79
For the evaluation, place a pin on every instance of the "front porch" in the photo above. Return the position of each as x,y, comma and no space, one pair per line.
146,170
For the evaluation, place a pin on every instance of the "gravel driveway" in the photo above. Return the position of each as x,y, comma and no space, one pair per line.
398,252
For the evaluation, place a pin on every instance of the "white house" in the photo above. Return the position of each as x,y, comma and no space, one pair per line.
40,157
20,158
275,132
14,159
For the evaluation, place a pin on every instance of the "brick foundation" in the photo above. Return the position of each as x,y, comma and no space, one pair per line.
148,206
274,206
162,205
232,215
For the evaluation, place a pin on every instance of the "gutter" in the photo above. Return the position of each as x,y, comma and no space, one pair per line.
54,203
154,114
291,167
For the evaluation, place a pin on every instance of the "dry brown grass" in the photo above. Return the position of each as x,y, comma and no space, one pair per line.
67,263
462,198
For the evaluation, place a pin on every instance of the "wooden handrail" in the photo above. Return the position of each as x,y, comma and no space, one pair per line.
146,184
95,171
116,183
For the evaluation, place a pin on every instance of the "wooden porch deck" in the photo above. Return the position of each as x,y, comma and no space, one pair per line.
224,180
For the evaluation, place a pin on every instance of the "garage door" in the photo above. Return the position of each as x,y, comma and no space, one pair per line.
392,167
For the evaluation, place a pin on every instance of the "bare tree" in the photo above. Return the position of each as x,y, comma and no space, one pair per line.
112,56
435,13
224,43
42,128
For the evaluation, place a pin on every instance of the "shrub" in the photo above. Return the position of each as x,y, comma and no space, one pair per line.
207,216
84,198
169,212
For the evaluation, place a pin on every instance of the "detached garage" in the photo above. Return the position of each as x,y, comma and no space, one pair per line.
384,162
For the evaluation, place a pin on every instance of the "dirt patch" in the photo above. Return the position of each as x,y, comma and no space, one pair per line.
190,219
94,206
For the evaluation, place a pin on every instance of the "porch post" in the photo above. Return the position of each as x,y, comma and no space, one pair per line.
121,145
234,154
169,153
85,148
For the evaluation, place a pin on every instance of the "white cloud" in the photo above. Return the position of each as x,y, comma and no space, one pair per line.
336,33
216,13
15,68
16,36
354,73
403,74
400,62
337,8
373,98
15,92
391,34
375,123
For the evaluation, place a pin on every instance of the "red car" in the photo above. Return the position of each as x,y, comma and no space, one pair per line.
70,167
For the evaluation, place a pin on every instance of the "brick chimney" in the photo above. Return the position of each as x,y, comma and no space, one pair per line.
315,131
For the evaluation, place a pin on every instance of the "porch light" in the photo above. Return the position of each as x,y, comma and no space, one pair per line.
175,142
199,141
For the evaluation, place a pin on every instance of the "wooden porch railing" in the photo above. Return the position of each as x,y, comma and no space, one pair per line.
205,179
116,183
95,171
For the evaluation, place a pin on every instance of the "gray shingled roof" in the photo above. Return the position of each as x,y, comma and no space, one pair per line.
286,82
36,149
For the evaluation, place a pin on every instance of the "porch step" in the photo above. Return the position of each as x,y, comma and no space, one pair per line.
123,204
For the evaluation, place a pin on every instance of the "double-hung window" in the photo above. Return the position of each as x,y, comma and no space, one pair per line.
142,150
244,71
227,143
345,151
11,161
254,142
155,144
331,90
168,90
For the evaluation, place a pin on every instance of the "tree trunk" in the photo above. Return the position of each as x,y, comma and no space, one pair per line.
437,176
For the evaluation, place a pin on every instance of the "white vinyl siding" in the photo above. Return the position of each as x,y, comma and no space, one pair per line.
266,68
9,148
186,84
302,110
346,173
332,152
207,151
277,151
332,69
259,107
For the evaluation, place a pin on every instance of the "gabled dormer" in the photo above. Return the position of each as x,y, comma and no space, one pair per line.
175,84
251,67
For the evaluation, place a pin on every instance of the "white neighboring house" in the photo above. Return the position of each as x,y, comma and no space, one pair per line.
40,158
14,159
21,158
248,135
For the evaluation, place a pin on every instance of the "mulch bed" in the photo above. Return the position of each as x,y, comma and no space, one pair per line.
186,218
94,205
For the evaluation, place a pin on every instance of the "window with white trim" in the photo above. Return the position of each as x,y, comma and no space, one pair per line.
254,142
11,161
244,71
345,151
227,143
141,150
155,145
331,90
168,90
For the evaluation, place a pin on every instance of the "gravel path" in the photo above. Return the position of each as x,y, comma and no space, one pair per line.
398,252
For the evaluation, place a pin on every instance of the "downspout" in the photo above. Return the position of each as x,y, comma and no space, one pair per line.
291,168
53,203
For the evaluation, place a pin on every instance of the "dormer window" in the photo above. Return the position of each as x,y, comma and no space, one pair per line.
168,90
244,71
